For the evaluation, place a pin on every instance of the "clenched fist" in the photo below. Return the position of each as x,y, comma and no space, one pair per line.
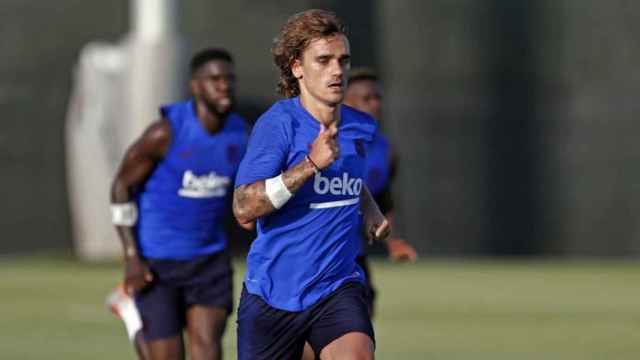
325,149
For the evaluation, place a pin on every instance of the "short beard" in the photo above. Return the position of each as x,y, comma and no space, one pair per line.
213,108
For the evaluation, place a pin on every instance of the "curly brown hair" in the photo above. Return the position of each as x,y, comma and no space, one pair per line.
294,37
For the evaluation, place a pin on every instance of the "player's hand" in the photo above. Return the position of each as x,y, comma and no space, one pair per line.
137,275
249,226
325,149
400,250
377,228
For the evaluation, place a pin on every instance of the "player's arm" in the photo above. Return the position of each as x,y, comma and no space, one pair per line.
377,227
251,201
397,247
138,163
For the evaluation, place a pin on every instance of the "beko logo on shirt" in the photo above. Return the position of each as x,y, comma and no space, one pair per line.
344,185
204,186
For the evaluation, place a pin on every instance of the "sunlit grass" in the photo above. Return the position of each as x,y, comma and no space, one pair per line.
53,308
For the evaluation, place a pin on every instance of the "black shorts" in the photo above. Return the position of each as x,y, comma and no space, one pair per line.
177,285
265,332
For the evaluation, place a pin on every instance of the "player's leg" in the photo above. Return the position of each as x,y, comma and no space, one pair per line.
342,329
171,348
208,295
141,346
205,327
307,353
370,292
162,310
352,346
123,306
267,333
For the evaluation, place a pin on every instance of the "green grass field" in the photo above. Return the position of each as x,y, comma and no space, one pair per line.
52,308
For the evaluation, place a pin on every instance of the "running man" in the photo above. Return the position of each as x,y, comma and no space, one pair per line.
169,199
302,180
364,93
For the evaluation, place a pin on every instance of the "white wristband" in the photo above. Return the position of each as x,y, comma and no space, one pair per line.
277,191
124,214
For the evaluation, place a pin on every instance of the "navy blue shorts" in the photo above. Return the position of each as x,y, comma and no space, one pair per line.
177,285
265,332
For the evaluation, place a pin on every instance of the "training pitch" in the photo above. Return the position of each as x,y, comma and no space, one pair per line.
53,308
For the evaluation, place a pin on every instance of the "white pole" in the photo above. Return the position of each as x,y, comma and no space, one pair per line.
157,55
153,19
113,102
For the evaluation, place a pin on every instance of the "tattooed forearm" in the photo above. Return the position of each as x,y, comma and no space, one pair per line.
251,202
295,177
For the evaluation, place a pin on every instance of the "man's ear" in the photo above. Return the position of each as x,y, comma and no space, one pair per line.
296,69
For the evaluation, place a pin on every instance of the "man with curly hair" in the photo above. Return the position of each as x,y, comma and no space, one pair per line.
301,180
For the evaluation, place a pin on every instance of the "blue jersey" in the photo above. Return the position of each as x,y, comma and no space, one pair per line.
185,199
306,249
378,164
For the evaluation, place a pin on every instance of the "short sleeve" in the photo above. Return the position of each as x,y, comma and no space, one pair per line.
266,152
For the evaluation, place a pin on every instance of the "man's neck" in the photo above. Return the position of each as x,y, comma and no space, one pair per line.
324,113
210,120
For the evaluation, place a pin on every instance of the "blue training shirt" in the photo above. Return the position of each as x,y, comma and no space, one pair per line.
378,164
306,249
185,199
